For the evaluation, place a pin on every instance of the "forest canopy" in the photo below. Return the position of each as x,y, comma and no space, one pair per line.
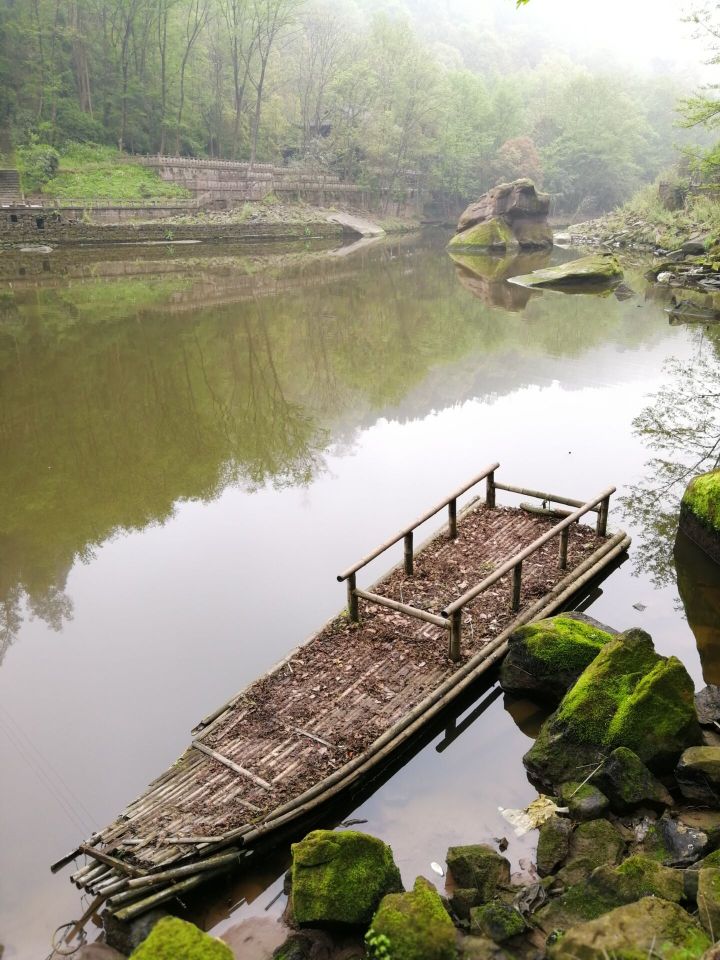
388,94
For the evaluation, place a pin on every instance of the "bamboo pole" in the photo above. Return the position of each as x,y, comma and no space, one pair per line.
490,488
416,612
408,553
231,765
539,495
452,519
189,869
563,549
516,586
142,906
352,600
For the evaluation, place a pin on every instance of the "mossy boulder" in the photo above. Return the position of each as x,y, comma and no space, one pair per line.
545,658
708,900
172,939
592,844
627,783
340,877
583,800
700,513
493,234
462,900
481,948
609,887
553,844
698,775
596,271
480,867
412,926
498,921
629,696
649,927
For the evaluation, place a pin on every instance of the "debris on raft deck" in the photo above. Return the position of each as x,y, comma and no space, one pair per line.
340,704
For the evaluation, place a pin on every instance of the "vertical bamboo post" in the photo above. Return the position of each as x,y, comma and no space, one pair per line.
517,584
490,490
562,557
352,600
408,553
602,518
455,635
452,519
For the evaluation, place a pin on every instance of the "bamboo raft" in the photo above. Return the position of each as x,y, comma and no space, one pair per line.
352,695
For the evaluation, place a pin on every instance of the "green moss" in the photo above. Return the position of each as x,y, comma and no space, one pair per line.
598,269
493,234
480,867
702,499
562,643
499,921
553,844
340,877
412,926
173,939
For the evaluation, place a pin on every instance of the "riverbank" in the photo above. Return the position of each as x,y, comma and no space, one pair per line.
268,220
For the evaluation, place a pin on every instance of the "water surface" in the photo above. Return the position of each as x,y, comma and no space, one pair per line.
194,442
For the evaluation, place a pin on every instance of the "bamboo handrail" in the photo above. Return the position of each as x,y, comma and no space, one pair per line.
513,562
416,523
539,495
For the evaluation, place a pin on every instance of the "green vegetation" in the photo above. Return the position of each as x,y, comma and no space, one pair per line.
479,866
366,90
562,643
412,926
340,877
172,939
496,920
91,172
493,234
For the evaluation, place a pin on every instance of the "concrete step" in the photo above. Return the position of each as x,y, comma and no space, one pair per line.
10,191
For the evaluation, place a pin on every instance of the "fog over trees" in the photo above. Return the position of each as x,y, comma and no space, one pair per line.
441,94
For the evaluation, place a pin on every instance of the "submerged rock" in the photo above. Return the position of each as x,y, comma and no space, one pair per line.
412,926
599,270
545,658
629,696
498,921
340,877
700,513
510,216
698,774
172,937
628,783
649,927
480,867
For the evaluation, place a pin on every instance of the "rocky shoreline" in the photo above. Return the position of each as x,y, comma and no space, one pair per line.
628,817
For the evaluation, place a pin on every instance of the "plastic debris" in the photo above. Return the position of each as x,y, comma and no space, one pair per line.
533,816
437,868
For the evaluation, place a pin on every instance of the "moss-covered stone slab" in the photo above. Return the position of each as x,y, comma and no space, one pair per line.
553,844
708,901
493,234
698,774
650,927
598,270
479,866
629,696
583,800
497,921
700,513
610,887
340,877
545,658
172,939
627,783
412,926
592,844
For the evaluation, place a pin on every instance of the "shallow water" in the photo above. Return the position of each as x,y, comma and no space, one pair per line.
194,442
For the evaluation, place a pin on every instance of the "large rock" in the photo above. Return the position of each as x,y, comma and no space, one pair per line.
480,867
708,900
583,800
609,887
174,938
597,270
340,877
412,926
498,921
698,775
592,844
553,844
629,696
700,513
627,783
545,658
509,216
648,928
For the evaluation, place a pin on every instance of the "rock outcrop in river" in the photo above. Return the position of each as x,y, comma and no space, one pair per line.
511,216
700,513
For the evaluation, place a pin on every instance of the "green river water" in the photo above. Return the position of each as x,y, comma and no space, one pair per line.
196,439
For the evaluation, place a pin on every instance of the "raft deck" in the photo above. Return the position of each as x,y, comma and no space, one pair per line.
340,704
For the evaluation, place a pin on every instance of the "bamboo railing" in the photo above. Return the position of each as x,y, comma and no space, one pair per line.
450,618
